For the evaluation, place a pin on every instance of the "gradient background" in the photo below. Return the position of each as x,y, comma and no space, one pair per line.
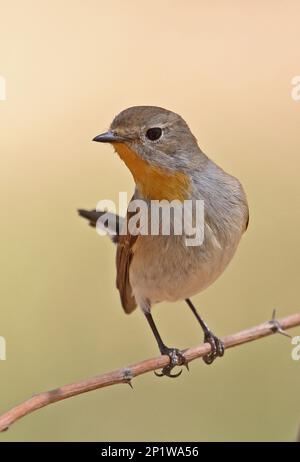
70,66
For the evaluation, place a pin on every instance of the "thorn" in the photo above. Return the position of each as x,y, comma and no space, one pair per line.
127,377
274,315
276,327
129,383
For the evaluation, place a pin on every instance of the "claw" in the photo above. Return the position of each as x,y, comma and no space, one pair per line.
217,347
158,374
175,375
176,359
167,371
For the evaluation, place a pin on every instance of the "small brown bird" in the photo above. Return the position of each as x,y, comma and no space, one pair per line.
167,164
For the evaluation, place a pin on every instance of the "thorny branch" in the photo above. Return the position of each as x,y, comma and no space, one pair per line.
125,375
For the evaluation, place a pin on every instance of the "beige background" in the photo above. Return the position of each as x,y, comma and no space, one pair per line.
70,66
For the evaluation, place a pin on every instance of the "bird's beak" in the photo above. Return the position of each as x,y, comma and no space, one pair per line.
109,137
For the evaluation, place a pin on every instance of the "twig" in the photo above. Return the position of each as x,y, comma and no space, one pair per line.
125,375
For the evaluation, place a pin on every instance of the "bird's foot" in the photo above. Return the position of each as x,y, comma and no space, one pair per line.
217,347
176,359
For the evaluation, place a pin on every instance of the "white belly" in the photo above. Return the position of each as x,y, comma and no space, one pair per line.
163,268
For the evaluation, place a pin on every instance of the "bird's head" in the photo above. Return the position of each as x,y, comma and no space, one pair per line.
158,148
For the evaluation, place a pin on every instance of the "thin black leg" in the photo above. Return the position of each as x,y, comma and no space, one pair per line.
157,336
217,346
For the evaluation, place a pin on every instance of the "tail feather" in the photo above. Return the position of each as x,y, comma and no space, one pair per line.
93,215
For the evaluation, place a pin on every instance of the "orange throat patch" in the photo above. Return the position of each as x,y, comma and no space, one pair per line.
154,182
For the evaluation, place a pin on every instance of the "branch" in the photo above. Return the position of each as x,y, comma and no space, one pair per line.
125,375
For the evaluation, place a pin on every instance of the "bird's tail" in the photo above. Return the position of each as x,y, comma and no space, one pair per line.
111,224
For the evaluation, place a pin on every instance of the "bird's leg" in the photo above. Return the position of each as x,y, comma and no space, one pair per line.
217,346
175,355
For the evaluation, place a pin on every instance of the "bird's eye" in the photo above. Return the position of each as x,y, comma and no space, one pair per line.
154,134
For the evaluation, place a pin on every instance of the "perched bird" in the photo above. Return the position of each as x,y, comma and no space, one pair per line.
167,164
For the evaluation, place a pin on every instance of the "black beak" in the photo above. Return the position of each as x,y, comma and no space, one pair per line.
108,137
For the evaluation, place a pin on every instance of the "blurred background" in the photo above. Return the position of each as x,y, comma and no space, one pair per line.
70,66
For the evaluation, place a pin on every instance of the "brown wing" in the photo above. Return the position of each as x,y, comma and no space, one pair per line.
124,256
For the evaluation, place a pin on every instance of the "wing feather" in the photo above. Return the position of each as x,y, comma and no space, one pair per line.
125,253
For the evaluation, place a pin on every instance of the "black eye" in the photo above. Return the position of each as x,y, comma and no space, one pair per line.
154,134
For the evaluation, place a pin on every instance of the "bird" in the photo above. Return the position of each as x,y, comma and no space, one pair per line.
167,164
